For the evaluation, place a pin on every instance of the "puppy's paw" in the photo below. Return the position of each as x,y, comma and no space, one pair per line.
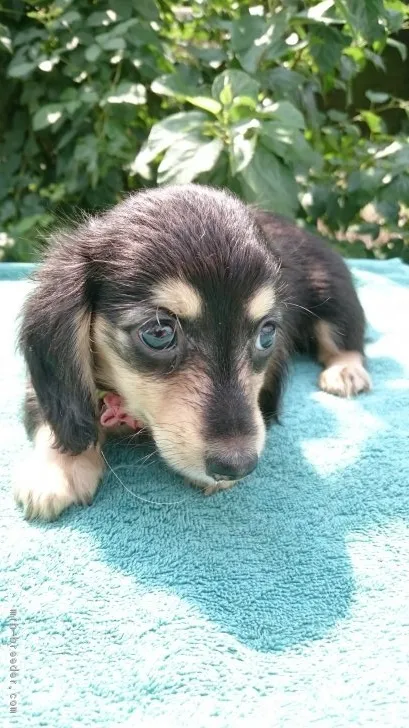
345,378
50,481
43,490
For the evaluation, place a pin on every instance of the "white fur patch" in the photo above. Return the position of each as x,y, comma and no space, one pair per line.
49,481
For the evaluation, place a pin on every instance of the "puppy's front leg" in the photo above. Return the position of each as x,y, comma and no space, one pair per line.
51,481
344,373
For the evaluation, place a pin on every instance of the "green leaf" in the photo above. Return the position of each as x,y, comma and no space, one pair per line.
163,135
397,190
22,69
147,8
92,52
364,16
206,103
393,148
127,93
180,84
398,6
367,181
241,152
286,113
123,8
111,43
254,40
188,157
284,82
240,101
337,116
226,96
142,34
67,20
373,120
88,95
245,30
26,37
267,182
326,46
47,116
376,97
212,57
290,145
399,47
98,18
375,58
319,12
5,38
240,83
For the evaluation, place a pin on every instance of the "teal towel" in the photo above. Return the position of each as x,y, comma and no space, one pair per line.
281,603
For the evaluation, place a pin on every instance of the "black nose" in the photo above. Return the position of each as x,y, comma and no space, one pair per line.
231,466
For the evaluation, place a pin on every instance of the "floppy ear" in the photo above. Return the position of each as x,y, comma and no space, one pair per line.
55,340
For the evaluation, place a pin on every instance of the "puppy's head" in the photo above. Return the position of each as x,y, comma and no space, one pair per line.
180,303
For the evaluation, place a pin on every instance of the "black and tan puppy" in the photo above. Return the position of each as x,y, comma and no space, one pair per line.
184,305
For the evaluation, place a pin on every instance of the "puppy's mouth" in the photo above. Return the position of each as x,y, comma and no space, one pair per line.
225,461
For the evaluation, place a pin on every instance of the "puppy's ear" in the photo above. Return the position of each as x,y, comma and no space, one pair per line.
55,340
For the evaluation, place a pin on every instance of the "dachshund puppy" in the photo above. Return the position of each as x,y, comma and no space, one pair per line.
176,312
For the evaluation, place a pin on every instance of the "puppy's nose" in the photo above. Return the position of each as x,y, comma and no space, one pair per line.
231,466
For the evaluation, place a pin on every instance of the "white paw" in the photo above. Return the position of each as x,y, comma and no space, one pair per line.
345,379
50,481
43,490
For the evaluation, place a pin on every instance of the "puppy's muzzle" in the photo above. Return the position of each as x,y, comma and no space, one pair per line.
232,465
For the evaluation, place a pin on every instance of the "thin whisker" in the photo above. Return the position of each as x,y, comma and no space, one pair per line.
296,305
139,497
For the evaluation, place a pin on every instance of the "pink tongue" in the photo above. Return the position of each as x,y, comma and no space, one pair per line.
113,413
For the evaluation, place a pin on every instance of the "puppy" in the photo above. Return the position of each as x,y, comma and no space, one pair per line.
176,312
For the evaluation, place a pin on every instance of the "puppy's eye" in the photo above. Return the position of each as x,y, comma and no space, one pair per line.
159,335
266,336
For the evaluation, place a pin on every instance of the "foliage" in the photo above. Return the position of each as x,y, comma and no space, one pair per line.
100,98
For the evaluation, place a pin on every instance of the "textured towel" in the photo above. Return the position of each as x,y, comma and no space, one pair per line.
282,603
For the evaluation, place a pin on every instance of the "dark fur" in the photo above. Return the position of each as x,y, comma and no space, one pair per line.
108,265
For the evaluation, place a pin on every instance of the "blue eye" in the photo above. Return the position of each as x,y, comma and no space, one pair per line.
266,336
159,335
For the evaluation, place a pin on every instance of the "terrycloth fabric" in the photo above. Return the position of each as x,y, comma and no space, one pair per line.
281,603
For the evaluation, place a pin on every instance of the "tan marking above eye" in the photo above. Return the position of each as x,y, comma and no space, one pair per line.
179,297
261,303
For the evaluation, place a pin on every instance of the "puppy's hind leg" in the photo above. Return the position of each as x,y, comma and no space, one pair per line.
50,481
344,373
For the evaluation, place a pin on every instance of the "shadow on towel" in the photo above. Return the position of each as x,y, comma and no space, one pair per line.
267,561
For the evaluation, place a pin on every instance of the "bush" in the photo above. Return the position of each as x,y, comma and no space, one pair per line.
102,98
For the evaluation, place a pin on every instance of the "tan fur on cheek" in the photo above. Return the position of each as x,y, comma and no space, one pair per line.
171,407
252,384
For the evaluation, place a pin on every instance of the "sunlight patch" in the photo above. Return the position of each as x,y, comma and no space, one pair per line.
354,427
